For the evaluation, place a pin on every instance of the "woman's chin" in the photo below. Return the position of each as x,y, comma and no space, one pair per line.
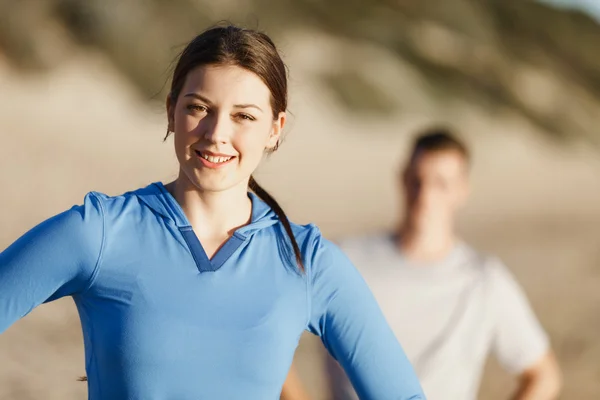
218,183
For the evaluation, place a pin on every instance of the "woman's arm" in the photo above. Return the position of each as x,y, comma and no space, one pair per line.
293,389
56,258
347,317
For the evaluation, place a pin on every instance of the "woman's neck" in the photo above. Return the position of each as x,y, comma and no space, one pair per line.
212,214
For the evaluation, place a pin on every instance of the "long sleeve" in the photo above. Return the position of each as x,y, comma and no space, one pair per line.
346,316
57,258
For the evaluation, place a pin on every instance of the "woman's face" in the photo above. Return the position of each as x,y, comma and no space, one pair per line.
223,124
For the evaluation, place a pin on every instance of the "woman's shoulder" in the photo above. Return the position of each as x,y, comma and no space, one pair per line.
126,202
311,239
120,199
306,232
319,252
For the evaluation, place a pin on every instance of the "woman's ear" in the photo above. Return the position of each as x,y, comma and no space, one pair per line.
275,136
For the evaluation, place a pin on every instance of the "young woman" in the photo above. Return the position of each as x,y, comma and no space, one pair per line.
200,289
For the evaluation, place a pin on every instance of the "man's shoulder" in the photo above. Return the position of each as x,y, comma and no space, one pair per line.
498,278
482,261
364,242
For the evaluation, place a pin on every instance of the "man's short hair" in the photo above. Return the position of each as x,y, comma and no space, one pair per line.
439,139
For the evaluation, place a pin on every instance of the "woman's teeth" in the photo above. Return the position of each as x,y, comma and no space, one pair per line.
213,159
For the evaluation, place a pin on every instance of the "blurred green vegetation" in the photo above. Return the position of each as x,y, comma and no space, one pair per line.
483,52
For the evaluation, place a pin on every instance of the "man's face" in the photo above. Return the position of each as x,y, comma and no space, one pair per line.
436,186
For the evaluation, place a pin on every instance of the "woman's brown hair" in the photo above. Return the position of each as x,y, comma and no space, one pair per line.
255,52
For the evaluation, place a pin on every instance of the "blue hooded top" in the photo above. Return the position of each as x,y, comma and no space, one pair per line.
163,321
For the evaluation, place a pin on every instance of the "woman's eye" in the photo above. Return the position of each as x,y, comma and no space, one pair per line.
197,107
246,117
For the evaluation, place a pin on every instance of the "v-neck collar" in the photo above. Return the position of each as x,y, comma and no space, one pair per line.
163,202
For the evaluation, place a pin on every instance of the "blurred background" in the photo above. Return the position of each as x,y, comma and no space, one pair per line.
82,88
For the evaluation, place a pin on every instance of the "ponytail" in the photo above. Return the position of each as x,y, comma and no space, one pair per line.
271,202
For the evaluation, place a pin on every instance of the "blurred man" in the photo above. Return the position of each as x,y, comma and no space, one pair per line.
449,305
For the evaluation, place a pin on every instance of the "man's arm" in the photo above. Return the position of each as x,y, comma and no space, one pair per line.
293,389
541,381
520,343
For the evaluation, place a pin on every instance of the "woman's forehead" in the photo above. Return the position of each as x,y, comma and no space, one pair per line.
227,84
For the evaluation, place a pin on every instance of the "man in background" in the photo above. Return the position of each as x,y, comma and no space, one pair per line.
449,305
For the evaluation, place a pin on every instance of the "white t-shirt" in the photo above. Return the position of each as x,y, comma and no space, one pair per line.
448,316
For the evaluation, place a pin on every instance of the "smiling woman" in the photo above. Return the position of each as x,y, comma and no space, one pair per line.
201,288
